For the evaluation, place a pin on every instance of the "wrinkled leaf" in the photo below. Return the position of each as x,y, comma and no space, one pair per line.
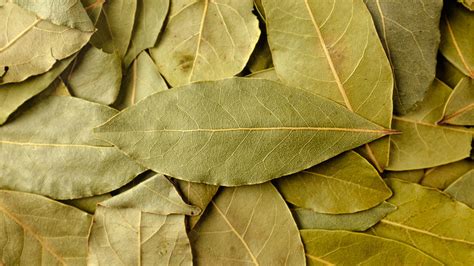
206,40
359,221
88,204
344,184
248,224
22,30
410,34
325,247
40,231
462,189
43,152
430,221
459,109
442,176
206,132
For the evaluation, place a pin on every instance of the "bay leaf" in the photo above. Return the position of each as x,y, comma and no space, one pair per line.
410,35
93,9
459,109
206,132
461,189
149,19
88,204
328,247
332,49
39,231
431,222
58,88
457,33
142,79
58,42
115,26
96,76
43,152
442,176
13,95
247,225
469,4
69,13
197,194
259,8
359,221
261,57
345,184
414,176
447,72
269,74
206,40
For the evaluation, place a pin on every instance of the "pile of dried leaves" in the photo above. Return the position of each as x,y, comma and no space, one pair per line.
234,132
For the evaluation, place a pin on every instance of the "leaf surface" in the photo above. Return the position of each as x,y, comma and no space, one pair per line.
461,190
255,225
88,204
414,176
447,72
269,74
206,40
459,109
442,176
206,132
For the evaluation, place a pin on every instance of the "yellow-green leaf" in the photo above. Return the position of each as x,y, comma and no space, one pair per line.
88,204
441,177
459,109
461,189
413,176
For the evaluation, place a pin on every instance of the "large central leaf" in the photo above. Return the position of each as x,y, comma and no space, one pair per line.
236,131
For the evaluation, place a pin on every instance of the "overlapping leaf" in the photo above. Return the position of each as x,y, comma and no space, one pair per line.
459,109
442,176
462,189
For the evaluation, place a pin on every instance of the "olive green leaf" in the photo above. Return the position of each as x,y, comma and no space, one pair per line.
142,79
206,132
93,9
328,247
259,8
114,26
344,184
13,95
413,176
462,189
247,225
410,34
206,40
430,221
58,88
442,176
96,76
269,73
197,194
68,13
447,72
261,57
148,22
22,30
331,48
39,231
50,151
459,109
469,4
359,221
88,204
457,33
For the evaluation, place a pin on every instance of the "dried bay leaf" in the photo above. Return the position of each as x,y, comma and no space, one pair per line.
430,221
441,177
206,132
261,57
447,72
410,35
247,224
344,184
43,152
457,31
327,247
93,9
58,88
16,53
461,190
88,204
96,76
331,48
39,231
206,40
269,74
359,221
469,4
149,19
414,176
459,109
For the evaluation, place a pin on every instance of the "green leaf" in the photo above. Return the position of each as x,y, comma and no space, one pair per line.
469,4
58,88
359,221
20,36
142,79
430,221
96,76
148,22
459,109
331,48
447,72
442,176
206,40
344,184
461,189
413,176
88,204
197,194
206,132
44,152
93,9
261,57
14,95
247,224
324,247
40,231
410,35
269,74
457,32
